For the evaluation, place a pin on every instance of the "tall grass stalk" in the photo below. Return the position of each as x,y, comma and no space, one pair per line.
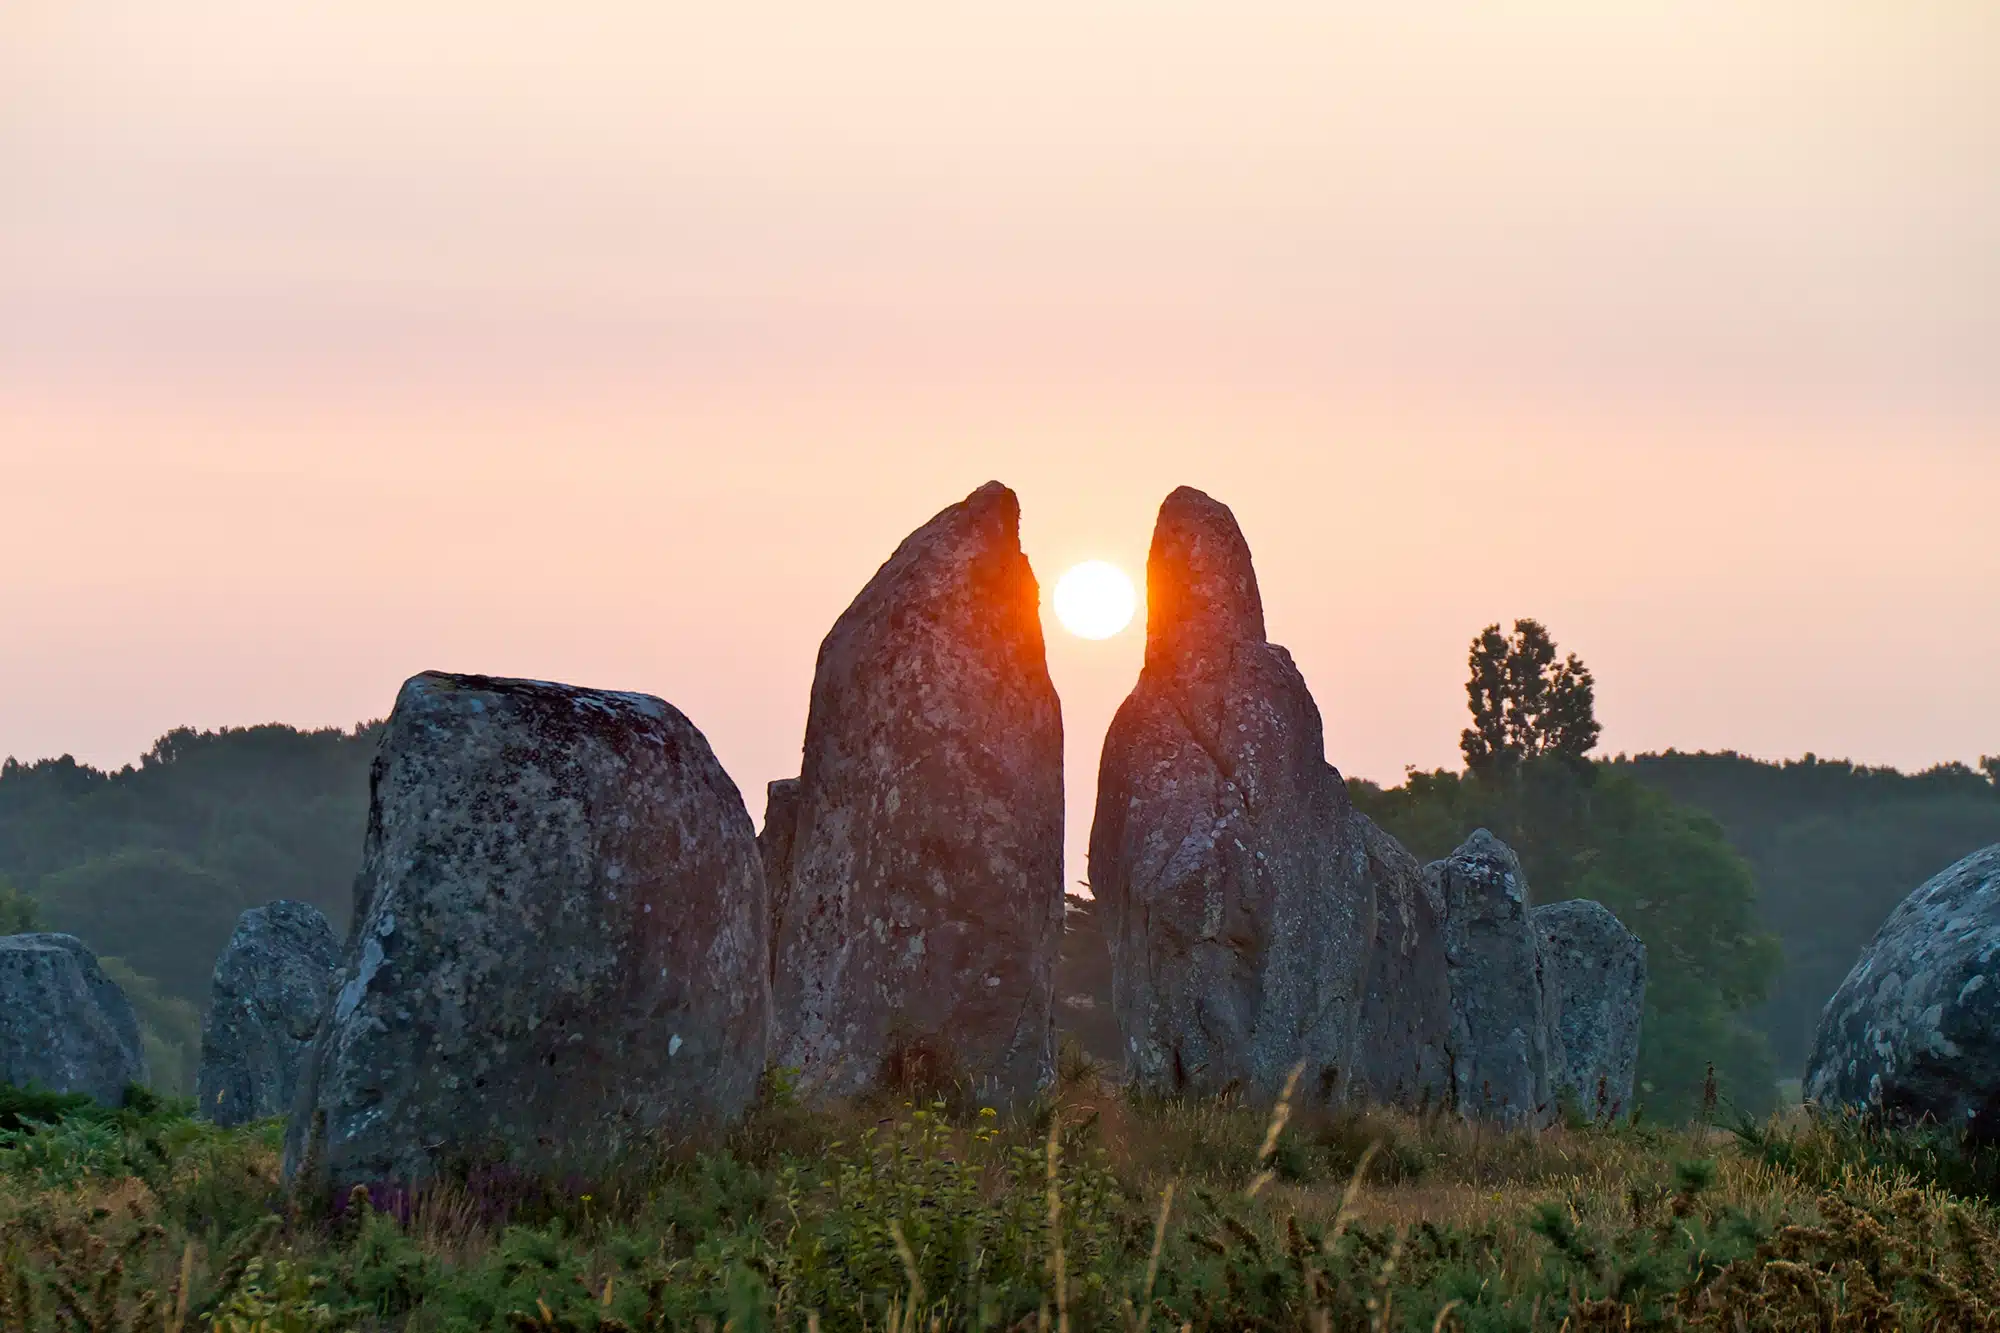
1058,1261
1145,1314
1281,1115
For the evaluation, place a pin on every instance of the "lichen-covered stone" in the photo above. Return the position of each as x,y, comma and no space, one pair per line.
1914,1031
265,1002
924,903
1403,1056
64,1025
1224,855
1594,978
558,942
1502,1030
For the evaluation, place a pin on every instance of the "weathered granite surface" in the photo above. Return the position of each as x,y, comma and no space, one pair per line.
1231,875
1503,1034
924,903
64,1025
774,848
269,992
1404,1054
558,942
1594,970
1914,1031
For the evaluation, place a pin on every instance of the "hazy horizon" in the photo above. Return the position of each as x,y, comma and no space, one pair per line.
622,348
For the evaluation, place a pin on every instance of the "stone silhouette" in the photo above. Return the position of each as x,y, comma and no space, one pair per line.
1594,976
1231,875
1914,1031
63,1024
559,939
265,1004
774,848
1503,1036
923,903
1404,1055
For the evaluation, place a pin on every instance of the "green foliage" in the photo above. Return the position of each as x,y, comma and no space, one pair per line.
284,1300
64,1153
148,907
23,1108
1525,704
1665,870
911,1208
18,913
1835,847
169,1026
923,1221
153,863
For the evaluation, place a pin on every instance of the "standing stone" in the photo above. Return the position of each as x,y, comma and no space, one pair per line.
1503,1039
265,1003
1914,1031
1404,1056
1594,974
774,848
924,904
1231,875
64,1025
558,939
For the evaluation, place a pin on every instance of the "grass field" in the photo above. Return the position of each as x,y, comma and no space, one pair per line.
1092,1212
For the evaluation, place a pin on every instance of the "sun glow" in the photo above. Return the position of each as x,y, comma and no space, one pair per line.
1094,600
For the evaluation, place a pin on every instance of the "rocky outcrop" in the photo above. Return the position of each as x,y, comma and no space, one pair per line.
265,1002
558,942
1503,1036
1404,1055
924,898
1594,979
1230,870
64,1025
1914,1031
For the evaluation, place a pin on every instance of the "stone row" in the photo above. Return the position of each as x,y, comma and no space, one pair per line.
567,936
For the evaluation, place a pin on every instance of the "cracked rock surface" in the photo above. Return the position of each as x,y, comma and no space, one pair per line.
1230,867
921,851
1914,1031
63,1023
558,940
265,1003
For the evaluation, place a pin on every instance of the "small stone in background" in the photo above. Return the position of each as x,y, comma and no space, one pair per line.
269,992
1595,972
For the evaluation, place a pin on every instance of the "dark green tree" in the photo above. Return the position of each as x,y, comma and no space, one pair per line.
17,910
1526,704
152,863
166,916
1835,846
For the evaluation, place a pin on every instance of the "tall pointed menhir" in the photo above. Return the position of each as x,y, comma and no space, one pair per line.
1232,868
918,902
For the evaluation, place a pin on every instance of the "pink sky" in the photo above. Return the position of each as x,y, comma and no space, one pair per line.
339,342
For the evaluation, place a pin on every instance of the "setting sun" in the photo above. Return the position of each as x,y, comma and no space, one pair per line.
1094,600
